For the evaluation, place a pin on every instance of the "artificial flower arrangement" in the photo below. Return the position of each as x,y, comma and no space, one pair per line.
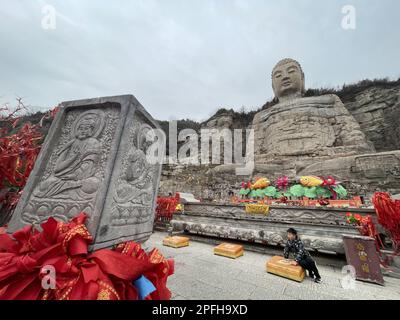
167,206
365,226
388,216
312,187
353,219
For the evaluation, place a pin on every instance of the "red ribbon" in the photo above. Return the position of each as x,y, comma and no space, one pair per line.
103,274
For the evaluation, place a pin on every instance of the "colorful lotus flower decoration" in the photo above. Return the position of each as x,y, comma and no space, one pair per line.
312,187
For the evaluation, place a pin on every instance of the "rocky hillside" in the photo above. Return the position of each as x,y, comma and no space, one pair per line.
377,109
374,103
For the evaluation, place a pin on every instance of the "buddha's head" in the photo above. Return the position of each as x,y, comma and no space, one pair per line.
287,79
86,127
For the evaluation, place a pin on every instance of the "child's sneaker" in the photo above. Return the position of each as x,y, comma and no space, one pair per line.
317,280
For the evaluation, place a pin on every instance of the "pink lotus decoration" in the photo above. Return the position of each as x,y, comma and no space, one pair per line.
282,182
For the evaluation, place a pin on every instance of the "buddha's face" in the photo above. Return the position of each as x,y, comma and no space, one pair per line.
84,131
287,79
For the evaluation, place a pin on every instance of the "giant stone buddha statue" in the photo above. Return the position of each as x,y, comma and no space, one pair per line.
304,128
316,135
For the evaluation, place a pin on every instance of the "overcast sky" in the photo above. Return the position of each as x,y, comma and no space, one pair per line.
187,58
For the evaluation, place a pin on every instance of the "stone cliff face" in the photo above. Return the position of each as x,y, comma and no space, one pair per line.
377,110
376,107
374,104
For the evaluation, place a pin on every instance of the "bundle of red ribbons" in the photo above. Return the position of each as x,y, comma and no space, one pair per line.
55,264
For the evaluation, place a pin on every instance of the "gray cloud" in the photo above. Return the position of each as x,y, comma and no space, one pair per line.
184,59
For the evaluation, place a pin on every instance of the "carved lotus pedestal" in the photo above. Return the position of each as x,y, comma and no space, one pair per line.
96,160
282,267
176,242
229,250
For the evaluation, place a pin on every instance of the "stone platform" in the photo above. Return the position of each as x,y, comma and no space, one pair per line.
320,228
201,275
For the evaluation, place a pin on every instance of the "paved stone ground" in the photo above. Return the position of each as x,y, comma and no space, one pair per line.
200,275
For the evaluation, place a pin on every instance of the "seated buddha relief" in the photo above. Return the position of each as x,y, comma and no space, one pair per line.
74,174
135,186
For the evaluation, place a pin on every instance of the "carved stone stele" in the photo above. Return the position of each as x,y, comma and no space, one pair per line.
101,156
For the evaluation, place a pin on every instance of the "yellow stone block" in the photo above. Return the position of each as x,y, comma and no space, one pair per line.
229,250
257,208
176,242
282,267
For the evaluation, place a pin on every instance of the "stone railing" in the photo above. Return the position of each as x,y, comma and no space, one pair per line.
320,228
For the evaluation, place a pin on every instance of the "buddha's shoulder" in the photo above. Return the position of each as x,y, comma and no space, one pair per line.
259,115
326,100
331,96
322,99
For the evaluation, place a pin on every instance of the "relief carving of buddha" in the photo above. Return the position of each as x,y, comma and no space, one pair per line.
136,182
74,174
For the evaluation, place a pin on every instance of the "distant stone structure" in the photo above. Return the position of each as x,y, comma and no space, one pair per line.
95,159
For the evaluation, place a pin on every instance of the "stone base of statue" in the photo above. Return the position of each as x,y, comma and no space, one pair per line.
96,160
321,228
176,242
361,174
282,267
229,250
364,173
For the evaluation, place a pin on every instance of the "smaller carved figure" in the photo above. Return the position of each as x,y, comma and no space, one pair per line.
74,175
136,182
